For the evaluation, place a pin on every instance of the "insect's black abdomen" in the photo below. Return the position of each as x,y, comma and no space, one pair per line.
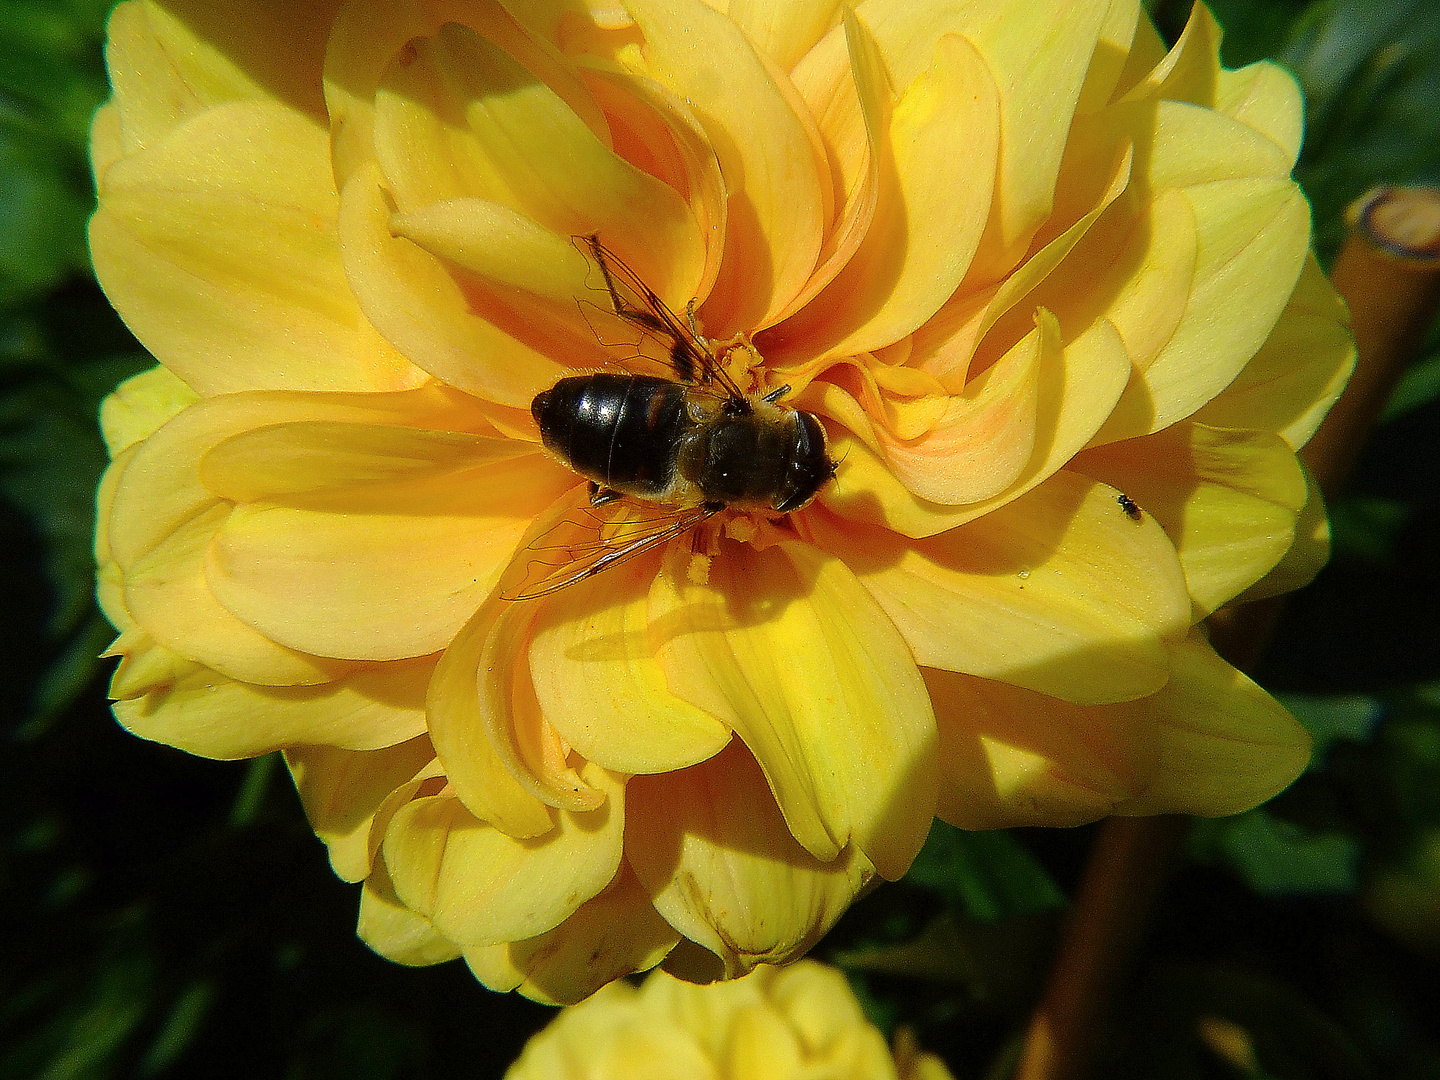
618,430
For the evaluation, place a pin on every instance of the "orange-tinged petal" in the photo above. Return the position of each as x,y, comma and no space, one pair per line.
481,775
218,247
1290,384
1079,384
379,572
205,713
786,647
1228,499
776,220
1025,45
170,60
985,437
457,117
310,462
394,930
342,789
1011,757
932,208
478,886
1224,744
420,306
601,687
609,936
136,408
710,846
1058,591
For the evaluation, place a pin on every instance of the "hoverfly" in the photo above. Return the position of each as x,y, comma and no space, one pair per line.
680,449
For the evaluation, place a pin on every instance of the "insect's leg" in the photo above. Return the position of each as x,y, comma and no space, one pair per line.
776,394
599,496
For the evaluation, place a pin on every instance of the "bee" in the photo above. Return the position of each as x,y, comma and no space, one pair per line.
680,449
1132,511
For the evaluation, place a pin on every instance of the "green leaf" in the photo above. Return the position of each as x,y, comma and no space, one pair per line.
1279,858
987,875
1329,717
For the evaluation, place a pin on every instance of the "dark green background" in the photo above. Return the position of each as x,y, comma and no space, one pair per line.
165,916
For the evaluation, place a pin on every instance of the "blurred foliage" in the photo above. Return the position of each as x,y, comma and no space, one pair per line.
170,917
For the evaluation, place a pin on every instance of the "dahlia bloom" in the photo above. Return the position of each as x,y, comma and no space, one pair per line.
777,1024
1044,283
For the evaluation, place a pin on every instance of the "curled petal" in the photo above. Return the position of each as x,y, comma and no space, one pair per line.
609,936
712,850
478,886
395,931
135,409
786,647
341,791
1058,591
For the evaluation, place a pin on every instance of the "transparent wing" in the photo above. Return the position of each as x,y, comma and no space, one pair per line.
589,539
686,355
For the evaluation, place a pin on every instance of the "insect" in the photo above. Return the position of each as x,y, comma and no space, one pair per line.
679,450
1132,511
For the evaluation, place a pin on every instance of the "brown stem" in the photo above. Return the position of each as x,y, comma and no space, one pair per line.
1389,273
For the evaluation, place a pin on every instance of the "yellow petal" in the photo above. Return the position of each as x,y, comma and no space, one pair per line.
478,886
313,462
1112,52
167,594
931,210
341,790
457,117
1224,744
416,303
394,930
609,936
1058,591
1307,555
784,29
776,220
787,648
379,572
218,247
1026,45
136,408
169,61
205,713
1229,500
106,145
1265,97
1011,757
710,846
601,687
1290,384
485,780
1191,68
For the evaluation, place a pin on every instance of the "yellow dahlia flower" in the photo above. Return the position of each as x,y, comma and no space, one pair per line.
1045,285
774,1024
